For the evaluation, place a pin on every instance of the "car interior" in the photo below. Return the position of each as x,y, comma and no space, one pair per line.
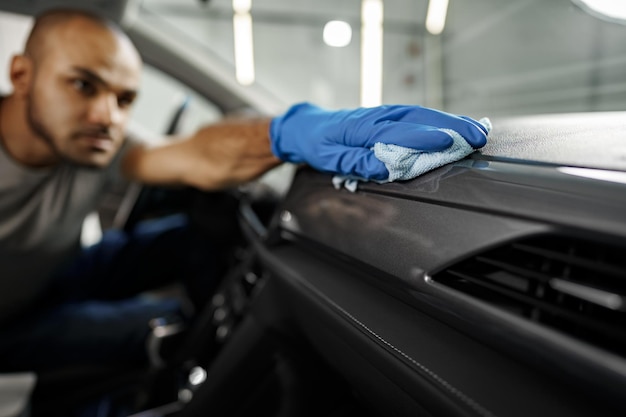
493,286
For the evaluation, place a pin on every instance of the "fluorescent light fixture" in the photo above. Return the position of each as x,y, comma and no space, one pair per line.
337,33
244,50
371,52
436,16
242,6
611,10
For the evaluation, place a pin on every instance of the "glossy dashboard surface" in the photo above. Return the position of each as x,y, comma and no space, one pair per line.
406,232
592,140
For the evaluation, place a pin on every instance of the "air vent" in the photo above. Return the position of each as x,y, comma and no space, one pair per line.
574,286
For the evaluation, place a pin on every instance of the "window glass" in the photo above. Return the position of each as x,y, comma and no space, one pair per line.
14,29
161,96
493,57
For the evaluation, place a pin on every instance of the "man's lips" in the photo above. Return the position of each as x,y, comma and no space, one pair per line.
98,141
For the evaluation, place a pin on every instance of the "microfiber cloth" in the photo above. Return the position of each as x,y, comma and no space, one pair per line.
406,163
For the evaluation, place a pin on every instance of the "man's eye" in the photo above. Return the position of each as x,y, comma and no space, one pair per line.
84,87
125,101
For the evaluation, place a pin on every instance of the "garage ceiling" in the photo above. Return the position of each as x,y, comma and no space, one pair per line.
494,56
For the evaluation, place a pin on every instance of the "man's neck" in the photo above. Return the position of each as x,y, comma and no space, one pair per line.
18,139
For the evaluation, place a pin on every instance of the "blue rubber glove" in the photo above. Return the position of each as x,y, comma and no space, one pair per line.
340,141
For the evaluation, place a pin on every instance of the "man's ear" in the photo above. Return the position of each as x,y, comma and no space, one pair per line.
21,73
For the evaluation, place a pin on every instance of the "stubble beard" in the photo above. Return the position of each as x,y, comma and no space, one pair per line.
39,128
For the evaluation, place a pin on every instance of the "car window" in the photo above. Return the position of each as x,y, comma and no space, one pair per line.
491,57
13,31
161,96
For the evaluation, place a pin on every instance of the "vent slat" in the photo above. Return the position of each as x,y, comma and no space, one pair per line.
535,304
495,287
520,277
509,267
601,267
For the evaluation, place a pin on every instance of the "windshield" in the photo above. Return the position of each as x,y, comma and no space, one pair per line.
490,57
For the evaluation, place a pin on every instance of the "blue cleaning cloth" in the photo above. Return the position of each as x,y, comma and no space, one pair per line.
406,163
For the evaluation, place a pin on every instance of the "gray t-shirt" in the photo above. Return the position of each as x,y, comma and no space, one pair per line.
41,216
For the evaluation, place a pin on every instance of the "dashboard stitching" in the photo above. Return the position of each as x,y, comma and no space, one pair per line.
456,392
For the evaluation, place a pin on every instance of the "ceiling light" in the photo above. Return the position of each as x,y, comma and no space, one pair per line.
242,6
337,33
436,16
244,48
611,10
371,52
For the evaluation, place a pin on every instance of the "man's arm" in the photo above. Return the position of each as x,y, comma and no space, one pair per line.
217,156
334,141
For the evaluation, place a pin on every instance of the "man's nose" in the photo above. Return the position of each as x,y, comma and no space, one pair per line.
104,110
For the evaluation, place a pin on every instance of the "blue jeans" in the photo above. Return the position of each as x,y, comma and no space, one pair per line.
95,312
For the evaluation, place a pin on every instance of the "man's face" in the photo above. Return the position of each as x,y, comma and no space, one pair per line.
83,87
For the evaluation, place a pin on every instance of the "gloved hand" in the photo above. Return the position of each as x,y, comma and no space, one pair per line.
340,141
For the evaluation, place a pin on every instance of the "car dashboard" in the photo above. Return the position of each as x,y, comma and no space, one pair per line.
493,286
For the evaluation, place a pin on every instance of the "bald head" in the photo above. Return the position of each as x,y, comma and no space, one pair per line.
53,24
75,83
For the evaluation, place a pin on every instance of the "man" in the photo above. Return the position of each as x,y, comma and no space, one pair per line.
62,133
